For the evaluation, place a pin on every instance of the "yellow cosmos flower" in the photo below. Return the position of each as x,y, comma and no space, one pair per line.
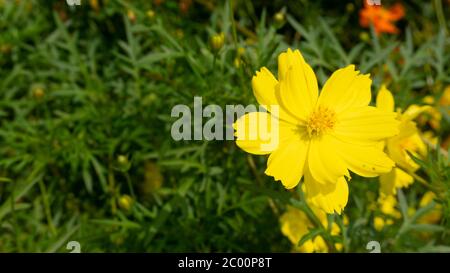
397,147
295,224
321,137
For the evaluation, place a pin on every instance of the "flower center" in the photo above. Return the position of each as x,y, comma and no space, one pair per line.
320,122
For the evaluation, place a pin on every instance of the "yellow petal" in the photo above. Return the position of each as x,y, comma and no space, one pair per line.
385,100
323,162
294,224
265,87
346,89
366,124
408,140
427,198
368,161
414,110
307,247
256,132
393,180
298,84
330,197
288,162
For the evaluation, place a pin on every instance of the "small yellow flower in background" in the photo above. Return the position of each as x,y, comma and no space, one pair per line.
295,224
122,160
433,116
153,179
321,137
279,17
151,14
94,5
445,98
435,215
217,41
38,92
237,62
131,16
125,202
397,147
378,223
388,204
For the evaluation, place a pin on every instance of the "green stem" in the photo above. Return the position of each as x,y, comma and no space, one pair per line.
440,14
48,212
233,24
422,181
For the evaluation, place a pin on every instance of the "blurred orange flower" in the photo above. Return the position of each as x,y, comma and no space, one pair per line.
382,19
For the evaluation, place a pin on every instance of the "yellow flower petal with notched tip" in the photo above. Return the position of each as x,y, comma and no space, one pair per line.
330,197
265,87
346,89
298,84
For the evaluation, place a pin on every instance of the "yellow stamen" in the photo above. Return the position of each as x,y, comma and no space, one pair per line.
321,121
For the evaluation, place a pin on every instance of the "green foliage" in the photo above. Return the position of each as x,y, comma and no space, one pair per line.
85,101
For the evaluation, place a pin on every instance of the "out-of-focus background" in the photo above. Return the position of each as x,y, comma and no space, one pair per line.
86,154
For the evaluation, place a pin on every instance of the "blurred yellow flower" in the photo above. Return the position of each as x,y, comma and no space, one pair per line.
433,115
38,92
295,224
151,13
397,147
217,41
445,98
388,205
435,215
321,137
378,223
153,179
94,5
125,202
131,15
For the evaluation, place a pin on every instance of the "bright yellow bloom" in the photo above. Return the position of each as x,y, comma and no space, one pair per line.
435,215
295,224
321,137
397,147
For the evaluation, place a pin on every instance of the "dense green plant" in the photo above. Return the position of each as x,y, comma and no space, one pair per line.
85,100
